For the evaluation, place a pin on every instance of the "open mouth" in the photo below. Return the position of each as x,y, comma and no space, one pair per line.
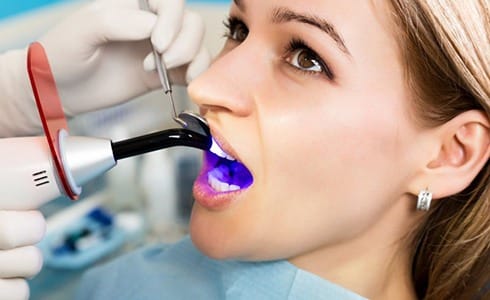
226,173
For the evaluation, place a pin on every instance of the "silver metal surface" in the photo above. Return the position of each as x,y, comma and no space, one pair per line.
86,158
195,122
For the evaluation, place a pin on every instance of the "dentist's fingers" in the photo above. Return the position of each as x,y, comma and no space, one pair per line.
170,17
200,64
120,25
149,62
185,74
14,289
20,228
20,262
186,45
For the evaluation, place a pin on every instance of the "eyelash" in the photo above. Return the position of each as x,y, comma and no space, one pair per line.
233,23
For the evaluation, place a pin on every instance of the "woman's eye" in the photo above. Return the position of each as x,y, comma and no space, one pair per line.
305,60
302,58
236,29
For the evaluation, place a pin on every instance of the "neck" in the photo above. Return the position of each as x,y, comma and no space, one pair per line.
375,264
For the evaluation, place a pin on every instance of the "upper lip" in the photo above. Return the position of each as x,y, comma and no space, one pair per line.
223,144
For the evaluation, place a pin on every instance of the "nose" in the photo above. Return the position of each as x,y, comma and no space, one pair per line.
228,84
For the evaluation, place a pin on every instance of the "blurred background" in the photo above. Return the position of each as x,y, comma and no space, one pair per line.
143,200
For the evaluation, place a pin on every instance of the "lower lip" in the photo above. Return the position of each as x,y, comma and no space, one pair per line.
207,197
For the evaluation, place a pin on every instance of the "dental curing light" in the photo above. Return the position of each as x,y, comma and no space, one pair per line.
38,169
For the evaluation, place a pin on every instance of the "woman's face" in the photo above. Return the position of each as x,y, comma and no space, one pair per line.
309,96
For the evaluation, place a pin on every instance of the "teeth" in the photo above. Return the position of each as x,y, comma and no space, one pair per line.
234,187
221,186
216,149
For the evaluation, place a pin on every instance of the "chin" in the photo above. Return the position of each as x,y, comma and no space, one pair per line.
209,248
212,242
221,235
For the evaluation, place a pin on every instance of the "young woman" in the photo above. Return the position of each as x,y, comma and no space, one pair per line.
356,140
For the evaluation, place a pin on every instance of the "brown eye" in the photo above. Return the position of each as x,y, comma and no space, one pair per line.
240,33
236,29
305,60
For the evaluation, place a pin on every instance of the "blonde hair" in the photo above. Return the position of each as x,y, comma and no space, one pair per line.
445,46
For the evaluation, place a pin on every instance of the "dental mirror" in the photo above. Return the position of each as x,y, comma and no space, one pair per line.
195,122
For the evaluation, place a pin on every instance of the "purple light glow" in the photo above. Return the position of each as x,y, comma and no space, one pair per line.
231,172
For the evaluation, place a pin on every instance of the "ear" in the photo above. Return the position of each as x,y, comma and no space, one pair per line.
463,148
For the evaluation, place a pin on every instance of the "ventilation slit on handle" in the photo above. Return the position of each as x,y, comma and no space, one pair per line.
40,178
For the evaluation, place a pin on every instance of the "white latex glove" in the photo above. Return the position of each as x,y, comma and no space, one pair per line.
19,259
97,55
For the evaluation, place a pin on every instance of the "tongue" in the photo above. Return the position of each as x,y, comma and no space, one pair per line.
232,172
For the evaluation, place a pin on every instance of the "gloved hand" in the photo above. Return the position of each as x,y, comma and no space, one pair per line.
97,55
19,230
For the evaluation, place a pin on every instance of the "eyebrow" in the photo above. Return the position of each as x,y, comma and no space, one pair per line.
282,15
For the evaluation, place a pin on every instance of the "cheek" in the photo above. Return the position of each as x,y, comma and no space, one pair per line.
318,142
336,165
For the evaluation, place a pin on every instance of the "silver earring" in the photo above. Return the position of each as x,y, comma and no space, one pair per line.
423,202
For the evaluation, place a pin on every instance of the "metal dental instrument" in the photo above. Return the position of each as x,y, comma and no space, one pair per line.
162,72
167,88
